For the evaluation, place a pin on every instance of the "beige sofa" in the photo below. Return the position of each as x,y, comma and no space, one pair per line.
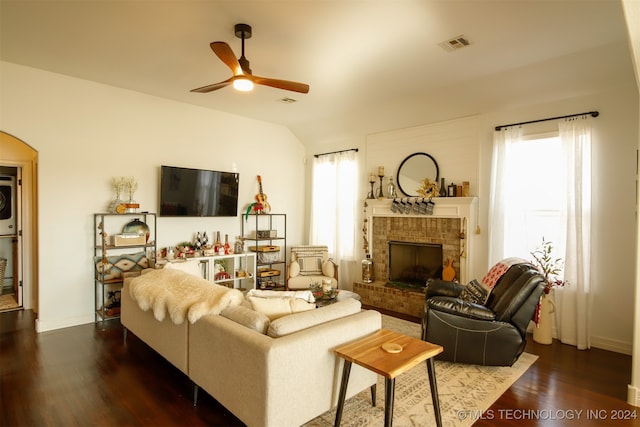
284,377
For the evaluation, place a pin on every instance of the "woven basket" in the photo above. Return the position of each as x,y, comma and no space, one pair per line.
3,267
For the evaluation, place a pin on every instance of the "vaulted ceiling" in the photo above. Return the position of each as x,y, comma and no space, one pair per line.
372,65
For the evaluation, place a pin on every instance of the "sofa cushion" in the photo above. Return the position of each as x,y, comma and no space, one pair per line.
328,269
296,322
191,267
303,282
275,308
294,269
247,317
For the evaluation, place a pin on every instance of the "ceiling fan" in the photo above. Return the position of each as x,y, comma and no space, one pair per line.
242,78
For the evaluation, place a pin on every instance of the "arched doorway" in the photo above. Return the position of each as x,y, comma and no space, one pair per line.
19,159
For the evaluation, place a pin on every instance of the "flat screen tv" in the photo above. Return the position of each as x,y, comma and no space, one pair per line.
197,192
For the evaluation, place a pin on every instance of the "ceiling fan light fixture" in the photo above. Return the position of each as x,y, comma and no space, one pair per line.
242,84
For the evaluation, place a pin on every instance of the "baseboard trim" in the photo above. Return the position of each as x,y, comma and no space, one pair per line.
633,395
612,345
44,326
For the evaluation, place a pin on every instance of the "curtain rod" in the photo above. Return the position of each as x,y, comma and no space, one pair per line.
592,113
335,152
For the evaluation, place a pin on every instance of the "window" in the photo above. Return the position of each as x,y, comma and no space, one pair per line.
333,203
534,194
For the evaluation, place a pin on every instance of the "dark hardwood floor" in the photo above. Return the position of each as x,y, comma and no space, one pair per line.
87,376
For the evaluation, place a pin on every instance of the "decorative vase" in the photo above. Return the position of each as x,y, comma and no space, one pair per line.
137,227
542,331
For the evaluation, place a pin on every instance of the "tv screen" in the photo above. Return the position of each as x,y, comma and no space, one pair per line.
196,192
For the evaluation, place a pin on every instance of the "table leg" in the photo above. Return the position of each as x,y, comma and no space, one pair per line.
389,391
434,391
373,395
346,369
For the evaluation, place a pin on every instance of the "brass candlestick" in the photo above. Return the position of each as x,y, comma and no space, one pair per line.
380,195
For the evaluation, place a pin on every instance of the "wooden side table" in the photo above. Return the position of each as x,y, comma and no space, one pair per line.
369,353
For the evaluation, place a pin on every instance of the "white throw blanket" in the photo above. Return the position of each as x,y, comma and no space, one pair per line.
181,294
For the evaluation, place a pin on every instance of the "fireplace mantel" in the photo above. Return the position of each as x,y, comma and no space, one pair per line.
464,209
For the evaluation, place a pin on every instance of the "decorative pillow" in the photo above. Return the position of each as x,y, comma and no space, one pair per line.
328,269
191,267
474,292
118,264
310,265
296,322
247,317
294,269
278,307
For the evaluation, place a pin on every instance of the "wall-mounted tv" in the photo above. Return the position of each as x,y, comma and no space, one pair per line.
197,192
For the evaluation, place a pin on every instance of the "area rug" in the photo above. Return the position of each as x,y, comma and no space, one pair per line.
465,391
8,302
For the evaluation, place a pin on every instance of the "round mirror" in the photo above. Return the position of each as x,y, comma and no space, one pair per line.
413,170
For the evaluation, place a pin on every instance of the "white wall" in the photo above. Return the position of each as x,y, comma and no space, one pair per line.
614,173
86,133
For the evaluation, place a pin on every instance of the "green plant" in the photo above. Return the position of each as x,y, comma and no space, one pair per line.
550,267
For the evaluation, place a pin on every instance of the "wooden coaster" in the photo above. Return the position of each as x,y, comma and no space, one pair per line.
391,347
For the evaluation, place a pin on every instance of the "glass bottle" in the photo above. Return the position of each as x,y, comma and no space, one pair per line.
367,269
239,245
443,189
218,244
391,189
227,247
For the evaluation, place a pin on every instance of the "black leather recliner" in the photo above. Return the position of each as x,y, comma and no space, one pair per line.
489,334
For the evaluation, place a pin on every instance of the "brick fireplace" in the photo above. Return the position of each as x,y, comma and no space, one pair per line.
448,226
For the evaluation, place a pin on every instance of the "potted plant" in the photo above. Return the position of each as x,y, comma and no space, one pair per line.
551,268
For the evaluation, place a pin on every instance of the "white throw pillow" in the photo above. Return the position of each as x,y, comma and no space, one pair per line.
278,307
294,269
191,267
328,269
296,322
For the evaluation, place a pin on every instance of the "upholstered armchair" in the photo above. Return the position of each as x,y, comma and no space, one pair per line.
311,264
479,329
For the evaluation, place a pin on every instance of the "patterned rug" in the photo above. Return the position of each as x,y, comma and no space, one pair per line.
465,391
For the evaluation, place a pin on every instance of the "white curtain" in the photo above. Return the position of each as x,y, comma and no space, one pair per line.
572,300
499,217
333,210
506,223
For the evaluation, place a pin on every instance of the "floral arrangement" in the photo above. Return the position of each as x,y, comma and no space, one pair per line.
551,268
321,291
428,189
132,186
118,186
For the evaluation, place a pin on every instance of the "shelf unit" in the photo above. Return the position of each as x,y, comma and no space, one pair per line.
232,264
106,225
273,232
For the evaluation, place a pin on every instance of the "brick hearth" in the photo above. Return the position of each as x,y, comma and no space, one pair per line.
404,301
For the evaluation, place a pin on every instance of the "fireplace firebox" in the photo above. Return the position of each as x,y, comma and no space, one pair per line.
412,264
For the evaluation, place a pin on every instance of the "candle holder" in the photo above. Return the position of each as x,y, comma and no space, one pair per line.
370,195
380,195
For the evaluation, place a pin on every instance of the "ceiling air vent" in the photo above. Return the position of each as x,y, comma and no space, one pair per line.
455,43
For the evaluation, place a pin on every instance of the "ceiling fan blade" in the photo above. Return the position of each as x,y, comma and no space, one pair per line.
215,86
282,84
227,56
